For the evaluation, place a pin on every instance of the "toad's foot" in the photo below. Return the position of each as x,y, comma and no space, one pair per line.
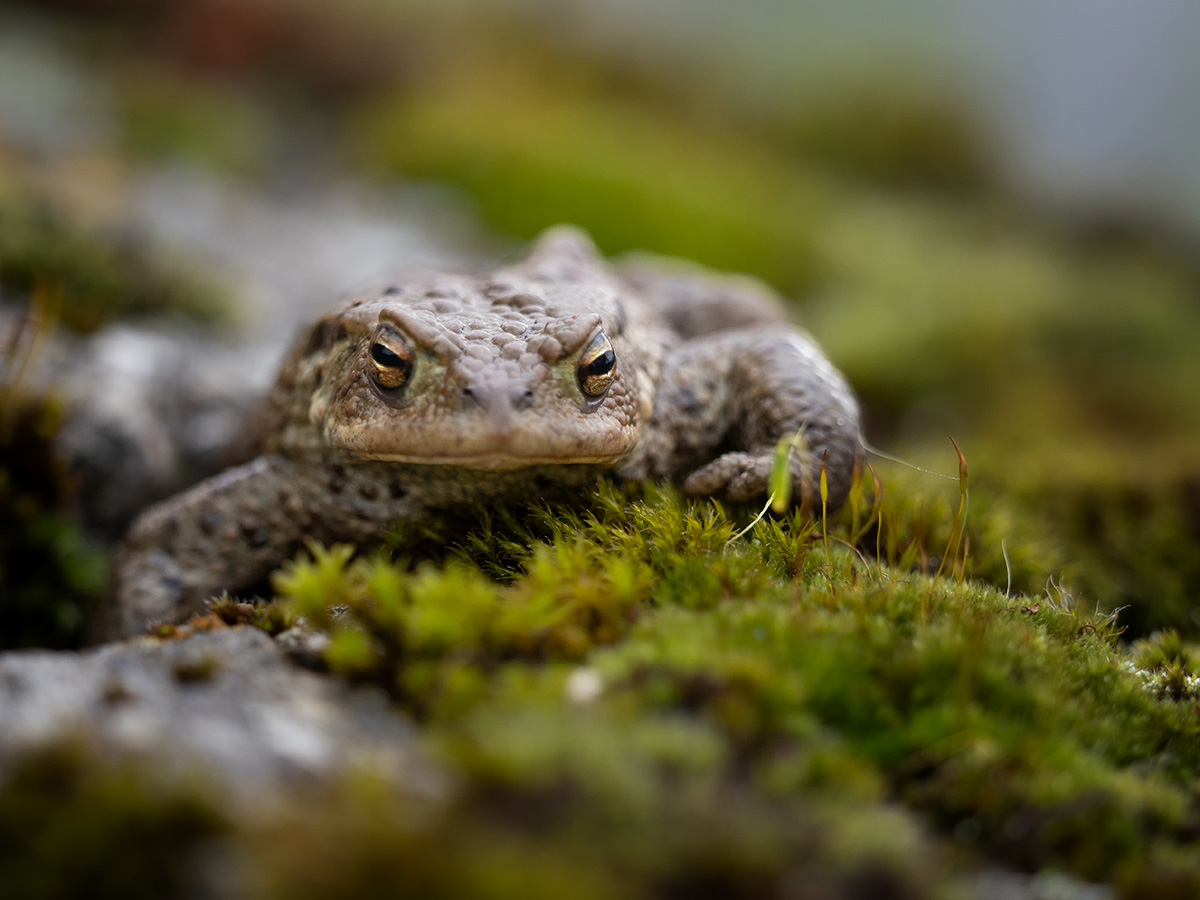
744,476
733,396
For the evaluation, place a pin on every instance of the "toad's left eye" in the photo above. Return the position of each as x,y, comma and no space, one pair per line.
597,366
391,361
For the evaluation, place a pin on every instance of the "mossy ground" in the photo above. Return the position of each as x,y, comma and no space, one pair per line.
638,696
641,687
72,825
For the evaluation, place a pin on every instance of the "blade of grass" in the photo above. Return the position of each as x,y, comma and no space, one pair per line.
958,532
877,511
855,498
781,476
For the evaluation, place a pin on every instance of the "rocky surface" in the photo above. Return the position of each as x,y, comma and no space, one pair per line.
151,411
228,702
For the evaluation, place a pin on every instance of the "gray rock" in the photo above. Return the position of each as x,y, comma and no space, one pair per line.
227,702
151,410
1005,884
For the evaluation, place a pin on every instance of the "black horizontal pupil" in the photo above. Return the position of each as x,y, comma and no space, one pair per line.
600,365
385,357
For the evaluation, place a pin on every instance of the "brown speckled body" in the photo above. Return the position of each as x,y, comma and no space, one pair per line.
494,402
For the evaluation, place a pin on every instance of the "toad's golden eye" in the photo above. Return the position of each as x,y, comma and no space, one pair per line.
597,366
391,361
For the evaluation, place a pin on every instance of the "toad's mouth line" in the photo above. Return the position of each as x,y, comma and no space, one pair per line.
495,462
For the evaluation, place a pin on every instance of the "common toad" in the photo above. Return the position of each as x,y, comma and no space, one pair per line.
445,388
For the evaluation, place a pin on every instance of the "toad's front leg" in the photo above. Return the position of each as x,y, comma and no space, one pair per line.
229,531
724,401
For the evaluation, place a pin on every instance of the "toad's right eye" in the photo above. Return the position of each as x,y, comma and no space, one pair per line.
391,361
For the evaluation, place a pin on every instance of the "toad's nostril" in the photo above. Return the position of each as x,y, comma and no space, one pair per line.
499,401
522,398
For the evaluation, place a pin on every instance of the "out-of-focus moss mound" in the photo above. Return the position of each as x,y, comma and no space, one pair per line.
50,575
71,826
1020,333
539,132
1131,541
627,172
889,128
167,116
1065,366
99,276
583,804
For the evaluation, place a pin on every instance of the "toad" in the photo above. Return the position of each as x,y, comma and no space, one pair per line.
538,377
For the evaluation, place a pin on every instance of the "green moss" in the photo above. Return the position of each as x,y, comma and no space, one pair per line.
636,657
269,617
1127,539
1029,335
50,575
625,171
885,127
167,116
582,588
71,826
562,801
